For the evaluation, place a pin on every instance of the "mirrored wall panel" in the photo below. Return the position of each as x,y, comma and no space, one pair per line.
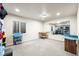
61,28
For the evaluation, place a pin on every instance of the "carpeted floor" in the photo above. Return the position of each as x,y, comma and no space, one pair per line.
40,47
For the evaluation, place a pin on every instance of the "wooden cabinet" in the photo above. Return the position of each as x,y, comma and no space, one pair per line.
70,46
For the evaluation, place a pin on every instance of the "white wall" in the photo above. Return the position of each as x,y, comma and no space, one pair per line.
78,29
78,21
32,28
73,27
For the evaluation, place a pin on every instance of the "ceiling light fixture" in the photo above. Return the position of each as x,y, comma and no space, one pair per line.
58,14
44,15
17,10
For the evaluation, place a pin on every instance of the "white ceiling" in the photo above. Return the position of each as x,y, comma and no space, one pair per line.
33,10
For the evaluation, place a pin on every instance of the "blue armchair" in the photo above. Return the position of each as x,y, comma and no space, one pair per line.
17,38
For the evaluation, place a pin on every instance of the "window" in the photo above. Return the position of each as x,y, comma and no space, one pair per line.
16,27
23,27
19,27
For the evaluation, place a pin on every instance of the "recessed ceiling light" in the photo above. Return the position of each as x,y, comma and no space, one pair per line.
58,14
17,10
